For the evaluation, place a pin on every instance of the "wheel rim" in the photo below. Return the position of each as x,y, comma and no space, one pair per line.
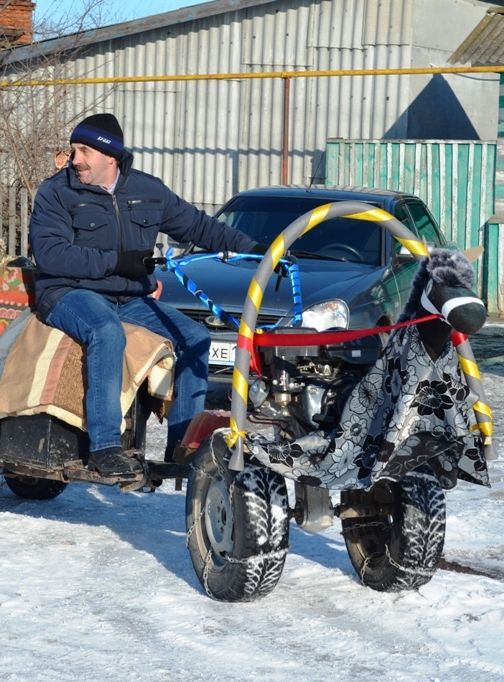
219,517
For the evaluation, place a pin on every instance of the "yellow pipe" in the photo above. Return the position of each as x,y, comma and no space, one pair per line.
256,75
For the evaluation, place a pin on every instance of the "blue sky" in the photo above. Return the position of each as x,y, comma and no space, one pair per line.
112,11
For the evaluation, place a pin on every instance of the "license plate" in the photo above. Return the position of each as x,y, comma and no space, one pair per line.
222,353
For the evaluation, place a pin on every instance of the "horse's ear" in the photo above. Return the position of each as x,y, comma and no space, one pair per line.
473,253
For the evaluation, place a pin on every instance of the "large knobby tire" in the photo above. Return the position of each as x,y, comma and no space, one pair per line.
237,525
32,488
394,533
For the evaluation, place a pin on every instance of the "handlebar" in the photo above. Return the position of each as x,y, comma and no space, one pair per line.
289,268
153,261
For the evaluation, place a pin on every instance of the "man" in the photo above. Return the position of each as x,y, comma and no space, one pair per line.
92,226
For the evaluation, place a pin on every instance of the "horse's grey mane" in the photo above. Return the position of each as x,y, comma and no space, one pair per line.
449,268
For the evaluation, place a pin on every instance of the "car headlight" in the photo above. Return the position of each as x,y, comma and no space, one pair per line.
326,315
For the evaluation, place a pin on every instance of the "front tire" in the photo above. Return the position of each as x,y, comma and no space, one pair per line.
237,525
394,533
33,488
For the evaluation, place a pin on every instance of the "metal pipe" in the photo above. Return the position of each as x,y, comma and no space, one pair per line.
285,131
491,68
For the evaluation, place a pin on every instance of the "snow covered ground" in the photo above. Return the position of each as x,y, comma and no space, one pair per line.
98,586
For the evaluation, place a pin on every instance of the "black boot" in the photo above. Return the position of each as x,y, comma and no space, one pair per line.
174,453
113,462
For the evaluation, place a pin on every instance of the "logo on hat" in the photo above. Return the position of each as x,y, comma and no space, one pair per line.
101,132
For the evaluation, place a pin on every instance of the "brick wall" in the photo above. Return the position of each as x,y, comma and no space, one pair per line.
16,25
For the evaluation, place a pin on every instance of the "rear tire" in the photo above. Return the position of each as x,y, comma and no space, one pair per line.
237,525
396,538
32,488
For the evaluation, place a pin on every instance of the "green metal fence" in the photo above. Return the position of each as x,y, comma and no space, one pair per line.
455,178
493,270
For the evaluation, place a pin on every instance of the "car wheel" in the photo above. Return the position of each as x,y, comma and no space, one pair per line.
237,525
32,488
394,533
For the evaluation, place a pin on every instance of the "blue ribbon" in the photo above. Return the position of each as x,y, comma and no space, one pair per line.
174,265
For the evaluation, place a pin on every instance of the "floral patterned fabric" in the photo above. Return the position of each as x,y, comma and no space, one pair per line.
408,409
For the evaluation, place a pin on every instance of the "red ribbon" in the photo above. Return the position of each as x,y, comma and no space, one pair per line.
316,338
327,338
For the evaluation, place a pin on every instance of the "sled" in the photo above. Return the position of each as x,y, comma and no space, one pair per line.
43,440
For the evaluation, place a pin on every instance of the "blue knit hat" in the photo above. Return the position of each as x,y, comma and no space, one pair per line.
102,132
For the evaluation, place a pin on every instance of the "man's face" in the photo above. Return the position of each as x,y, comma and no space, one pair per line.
92,166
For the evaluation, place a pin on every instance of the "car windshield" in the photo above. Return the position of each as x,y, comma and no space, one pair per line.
263,218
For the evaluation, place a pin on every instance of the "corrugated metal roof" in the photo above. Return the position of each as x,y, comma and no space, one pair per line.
485,44
129,28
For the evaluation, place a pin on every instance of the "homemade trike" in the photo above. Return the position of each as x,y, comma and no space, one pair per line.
384,430
292,422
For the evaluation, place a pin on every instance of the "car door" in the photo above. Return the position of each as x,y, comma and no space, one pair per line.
424,224
404,265
415,215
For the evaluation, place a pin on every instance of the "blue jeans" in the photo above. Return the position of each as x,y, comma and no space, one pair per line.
96,323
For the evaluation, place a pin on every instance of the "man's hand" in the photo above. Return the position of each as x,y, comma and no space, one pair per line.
132,264
260,249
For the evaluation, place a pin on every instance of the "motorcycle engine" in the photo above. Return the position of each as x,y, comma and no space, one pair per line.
311,384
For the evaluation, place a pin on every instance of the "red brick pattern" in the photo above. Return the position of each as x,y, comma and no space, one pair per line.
16,24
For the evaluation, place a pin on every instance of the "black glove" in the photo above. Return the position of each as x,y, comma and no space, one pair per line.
131,264
260,249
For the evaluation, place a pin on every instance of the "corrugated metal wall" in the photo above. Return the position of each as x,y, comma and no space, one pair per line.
211,139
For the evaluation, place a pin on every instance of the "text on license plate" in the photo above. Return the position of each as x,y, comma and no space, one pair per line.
222,353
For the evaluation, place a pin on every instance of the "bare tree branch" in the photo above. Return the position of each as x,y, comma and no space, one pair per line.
35,122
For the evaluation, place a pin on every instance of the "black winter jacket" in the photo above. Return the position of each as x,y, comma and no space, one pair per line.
77,231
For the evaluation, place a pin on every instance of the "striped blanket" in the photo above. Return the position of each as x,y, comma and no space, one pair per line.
45,372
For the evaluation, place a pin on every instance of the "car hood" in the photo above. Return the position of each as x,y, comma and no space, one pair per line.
226,284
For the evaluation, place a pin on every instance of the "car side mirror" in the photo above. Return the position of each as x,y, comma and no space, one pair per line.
403,254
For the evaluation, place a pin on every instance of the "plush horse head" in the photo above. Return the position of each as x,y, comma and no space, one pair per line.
443,286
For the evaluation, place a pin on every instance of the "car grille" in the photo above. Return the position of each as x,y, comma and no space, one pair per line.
201,315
